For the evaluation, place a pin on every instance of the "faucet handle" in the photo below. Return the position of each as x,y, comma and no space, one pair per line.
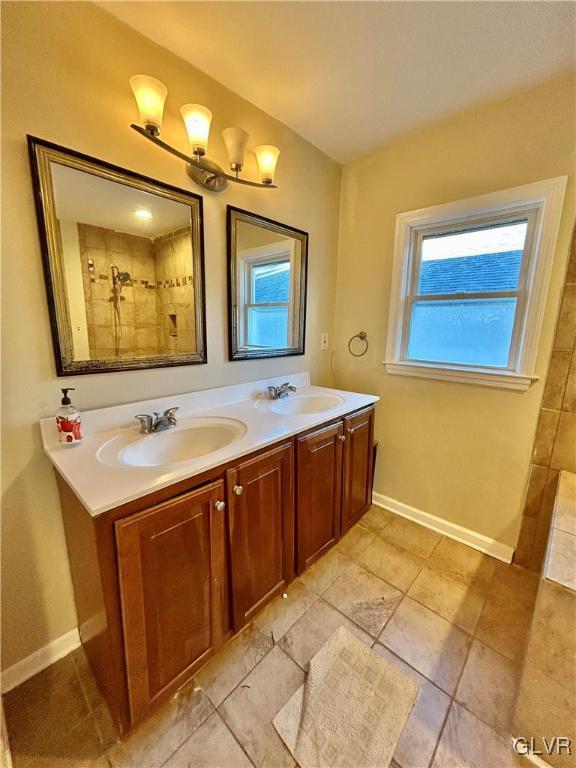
272,392
145,423
170,413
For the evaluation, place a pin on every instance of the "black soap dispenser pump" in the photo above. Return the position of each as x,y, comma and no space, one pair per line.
68,421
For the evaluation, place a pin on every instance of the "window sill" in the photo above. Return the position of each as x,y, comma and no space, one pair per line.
479,376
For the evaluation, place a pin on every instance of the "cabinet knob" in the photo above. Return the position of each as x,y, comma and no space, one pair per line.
342,438
238,490
351,430
220,506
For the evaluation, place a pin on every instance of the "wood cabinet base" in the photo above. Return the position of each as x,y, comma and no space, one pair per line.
161,583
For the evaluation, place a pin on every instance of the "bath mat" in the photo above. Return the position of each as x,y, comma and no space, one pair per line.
351,710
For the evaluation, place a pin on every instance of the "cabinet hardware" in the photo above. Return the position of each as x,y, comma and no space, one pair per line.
342,438
220,506
238,490
351,430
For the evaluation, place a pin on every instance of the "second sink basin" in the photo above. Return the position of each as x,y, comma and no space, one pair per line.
191,440
295,404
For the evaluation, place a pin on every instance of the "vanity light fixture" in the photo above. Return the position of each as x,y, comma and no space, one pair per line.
150,95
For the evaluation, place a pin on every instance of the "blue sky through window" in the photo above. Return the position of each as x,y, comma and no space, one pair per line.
475,331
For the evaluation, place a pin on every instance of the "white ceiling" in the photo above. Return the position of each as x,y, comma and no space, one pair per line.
349,76
89,199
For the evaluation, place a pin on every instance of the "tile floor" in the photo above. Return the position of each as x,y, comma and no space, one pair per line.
452,619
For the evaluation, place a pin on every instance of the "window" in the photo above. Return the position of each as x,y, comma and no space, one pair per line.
267,304
267,280
469,286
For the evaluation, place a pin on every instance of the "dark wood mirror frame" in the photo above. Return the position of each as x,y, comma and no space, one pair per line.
41,154
236,352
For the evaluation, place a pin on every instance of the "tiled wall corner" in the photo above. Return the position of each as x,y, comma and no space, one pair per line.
161,286
555,441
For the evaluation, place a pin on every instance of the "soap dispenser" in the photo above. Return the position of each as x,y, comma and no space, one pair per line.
68,421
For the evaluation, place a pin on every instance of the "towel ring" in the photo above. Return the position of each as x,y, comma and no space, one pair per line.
363,336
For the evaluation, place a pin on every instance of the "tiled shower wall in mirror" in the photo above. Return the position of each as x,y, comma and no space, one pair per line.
555,442
153,311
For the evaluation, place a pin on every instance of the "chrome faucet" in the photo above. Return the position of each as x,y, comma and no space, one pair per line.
278,393
157,423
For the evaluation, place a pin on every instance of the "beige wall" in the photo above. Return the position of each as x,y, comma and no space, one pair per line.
65,70
460,452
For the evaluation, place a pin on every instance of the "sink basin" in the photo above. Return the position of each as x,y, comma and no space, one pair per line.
190,440
298,404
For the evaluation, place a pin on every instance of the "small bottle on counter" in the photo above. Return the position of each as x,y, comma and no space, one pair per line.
68,421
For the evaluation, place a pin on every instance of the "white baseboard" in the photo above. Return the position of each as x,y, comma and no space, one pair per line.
39,660
446,528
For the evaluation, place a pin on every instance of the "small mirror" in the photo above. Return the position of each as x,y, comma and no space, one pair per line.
123,258
267,286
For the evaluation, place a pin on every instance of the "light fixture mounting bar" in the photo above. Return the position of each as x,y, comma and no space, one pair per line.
203,171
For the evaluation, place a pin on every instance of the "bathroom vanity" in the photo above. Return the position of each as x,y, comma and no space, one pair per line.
174,549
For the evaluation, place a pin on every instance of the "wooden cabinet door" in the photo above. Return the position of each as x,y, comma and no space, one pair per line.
171,572
319,493
358,460
261,529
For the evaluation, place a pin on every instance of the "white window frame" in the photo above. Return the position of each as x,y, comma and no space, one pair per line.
541,203
282,250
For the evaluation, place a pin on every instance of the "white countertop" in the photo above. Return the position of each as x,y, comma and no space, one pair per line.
102,486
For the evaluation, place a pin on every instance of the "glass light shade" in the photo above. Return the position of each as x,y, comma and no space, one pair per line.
267,157
197,120
235,140
150,95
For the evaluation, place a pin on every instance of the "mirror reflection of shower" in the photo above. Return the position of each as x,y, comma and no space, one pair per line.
119,280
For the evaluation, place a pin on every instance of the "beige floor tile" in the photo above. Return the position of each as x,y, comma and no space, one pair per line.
250,709
87,679
427,642
488,687
364,598
456,601
211,746
546,709
355,541
377,518
320,575
504,626
462,561
231,665
552,645
516,584
410,536
43,710
282,612
152,743
390,563
416,744
312,630
467,742
79,748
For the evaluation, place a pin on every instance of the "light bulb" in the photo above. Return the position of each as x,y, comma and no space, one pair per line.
267,157
150,95
142,213
235,140
197,120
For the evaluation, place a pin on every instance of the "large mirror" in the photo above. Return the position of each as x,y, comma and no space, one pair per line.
267,286
124,266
